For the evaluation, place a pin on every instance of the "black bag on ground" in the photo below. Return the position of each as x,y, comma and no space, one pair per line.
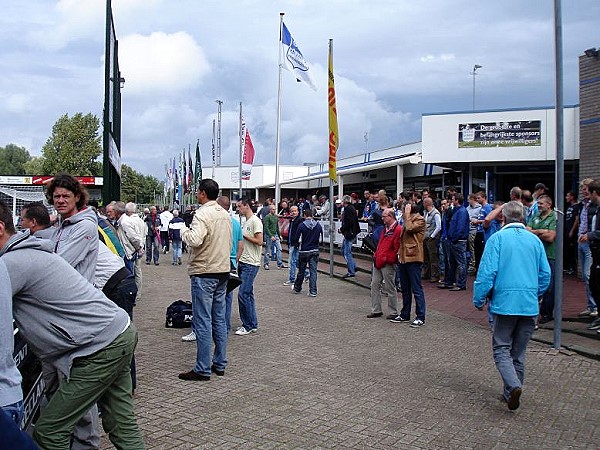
179,314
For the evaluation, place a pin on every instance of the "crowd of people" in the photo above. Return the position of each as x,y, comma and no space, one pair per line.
89,346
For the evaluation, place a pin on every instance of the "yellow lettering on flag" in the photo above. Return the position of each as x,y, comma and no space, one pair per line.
333,124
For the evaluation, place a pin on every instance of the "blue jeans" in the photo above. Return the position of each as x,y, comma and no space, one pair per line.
410,281
347,254
443,252
228,302
176,250
208,322
247,274
310,259
547,306
584,254
509,341
15,412
457,272
276,245
152,248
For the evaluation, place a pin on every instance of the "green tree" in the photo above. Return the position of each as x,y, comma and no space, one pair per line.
35,166
74,146
138,188
13,159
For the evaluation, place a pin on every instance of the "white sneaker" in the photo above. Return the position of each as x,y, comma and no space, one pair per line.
189,337
417,323
310,294
242,331
288,283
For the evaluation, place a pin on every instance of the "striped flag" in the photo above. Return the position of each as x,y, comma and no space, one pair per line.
333,124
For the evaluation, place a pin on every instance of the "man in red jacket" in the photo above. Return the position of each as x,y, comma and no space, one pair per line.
384,266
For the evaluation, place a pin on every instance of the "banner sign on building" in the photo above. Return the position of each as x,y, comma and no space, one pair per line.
522,133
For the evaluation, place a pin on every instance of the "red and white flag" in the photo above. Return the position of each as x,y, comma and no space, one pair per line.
248,152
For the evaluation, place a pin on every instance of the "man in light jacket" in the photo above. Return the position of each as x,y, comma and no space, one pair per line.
513,273
209,242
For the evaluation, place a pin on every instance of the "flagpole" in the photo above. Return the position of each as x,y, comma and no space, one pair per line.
241,152
331,202
213,151
278,136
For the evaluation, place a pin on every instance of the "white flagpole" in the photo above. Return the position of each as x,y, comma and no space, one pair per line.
278,138
213,151
241,152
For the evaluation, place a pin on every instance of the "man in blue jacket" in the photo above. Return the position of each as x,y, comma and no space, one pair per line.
513,273
309,234
458,234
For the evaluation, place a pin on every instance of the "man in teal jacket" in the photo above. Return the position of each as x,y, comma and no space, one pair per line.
513,273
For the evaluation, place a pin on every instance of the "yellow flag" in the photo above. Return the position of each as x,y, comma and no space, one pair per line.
333,124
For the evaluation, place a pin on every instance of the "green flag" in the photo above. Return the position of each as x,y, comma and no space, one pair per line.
198,167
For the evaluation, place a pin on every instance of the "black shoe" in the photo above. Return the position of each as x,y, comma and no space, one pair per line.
216,371
513,398
349,275
444,286
595,325
156,263
399,319
373,315
456,288
193,376
545,319
391,316
147,263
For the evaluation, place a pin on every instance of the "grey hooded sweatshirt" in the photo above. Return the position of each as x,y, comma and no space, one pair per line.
10,377
62,316
76,240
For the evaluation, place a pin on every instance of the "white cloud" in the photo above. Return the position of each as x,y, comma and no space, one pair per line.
161,62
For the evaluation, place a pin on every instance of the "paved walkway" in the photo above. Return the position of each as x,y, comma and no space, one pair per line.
319,374
574,336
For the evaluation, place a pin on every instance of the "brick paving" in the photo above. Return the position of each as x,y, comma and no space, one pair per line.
319,374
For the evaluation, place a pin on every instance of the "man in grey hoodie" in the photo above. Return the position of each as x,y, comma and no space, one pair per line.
78,331
76,238
11,395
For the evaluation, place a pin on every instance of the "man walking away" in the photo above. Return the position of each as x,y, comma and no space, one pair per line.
514,272
176,227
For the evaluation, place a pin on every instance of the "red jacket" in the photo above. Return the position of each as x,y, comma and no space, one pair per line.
387,248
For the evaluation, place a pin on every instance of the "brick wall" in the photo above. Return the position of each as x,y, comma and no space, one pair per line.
589,117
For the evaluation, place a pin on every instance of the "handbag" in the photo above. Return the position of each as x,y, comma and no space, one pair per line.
368,243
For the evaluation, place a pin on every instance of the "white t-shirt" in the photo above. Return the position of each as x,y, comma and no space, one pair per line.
252,252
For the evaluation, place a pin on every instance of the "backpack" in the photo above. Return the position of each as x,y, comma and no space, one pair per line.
179,314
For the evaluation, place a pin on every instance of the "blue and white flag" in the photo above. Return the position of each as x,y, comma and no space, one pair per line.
293,60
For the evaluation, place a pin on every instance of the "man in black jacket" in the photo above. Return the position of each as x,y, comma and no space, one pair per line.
349,229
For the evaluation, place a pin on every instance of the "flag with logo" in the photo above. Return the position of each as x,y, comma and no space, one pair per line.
247,153
293,60
333,124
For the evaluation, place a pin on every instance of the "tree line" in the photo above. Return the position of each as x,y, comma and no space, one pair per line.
74,147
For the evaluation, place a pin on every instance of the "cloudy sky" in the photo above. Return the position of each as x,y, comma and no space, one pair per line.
393,61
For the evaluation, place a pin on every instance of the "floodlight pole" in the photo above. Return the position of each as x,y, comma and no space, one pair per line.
474,73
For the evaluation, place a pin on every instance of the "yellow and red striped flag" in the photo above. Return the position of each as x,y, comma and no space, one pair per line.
333,124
